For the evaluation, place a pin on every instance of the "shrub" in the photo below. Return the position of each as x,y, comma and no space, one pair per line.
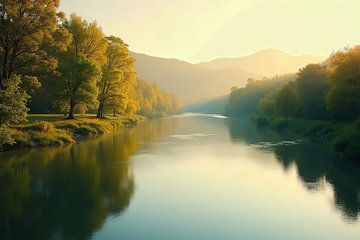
347,142
279,124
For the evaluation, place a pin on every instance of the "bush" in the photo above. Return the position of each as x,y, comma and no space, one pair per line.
348,141
279,124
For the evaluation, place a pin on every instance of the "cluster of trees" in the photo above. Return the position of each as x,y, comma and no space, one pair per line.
327,91
245,100
53,64
154,102
330,90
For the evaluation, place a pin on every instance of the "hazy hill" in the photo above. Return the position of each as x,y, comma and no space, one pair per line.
198,82
267,62
190,82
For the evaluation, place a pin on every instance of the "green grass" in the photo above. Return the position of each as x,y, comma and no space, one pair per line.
43,130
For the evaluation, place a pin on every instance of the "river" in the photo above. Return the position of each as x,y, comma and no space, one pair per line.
192,176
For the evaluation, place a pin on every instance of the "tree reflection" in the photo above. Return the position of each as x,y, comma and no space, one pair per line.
69,192
314,164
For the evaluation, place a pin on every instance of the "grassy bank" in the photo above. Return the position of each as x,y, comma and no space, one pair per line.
52,130
343,137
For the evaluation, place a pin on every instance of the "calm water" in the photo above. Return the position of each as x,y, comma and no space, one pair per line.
189,177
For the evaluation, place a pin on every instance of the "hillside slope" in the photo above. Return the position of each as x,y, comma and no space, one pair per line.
189,82
267,63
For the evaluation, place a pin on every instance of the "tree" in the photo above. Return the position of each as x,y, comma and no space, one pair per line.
285,103
266,105
27,29
118,78
78,82
12,108
344,78
311,87
79,65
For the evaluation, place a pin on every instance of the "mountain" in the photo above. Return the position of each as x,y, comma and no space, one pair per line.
267,62
204,81
190,82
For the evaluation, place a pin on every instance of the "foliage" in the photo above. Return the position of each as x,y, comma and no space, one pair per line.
285,102
266,104
153,102
344,78
118,79
12,107
27,29
348,141
78,82
79,66
310,88
245,100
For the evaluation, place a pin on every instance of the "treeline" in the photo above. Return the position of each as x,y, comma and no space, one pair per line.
245,100
53,64
329,91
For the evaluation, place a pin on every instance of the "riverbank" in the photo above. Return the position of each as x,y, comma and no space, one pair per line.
52,130
343,137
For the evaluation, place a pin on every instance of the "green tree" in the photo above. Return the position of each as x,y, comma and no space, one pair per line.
12,108
118,78
27,29
266,105
311,87
78,83
344,78
285,103
79,65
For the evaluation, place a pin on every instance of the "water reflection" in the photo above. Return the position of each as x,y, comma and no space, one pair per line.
68,193
315,164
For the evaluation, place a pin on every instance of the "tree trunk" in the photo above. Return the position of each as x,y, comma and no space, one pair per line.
100,112
71,112
286,117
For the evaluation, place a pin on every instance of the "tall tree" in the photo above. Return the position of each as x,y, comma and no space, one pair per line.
118,78
311,87
78,83
285,103
79,65
27,29
344,78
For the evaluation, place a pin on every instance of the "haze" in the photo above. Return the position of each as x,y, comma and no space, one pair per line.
203,30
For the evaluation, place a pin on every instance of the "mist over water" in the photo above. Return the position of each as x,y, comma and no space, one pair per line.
185,177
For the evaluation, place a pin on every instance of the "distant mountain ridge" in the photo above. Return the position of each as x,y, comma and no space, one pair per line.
204,81
189,82
268,62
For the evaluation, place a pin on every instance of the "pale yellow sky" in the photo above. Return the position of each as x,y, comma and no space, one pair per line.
201,30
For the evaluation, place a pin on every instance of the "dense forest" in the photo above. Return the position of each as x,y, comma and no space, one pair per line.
329,92
53,64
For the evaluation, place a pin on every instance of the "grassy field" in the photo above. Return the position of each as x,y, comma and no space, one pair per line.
53,130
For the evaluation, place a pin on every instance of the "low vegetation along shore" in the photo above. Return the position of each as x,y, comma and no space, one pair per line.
52,130
343,137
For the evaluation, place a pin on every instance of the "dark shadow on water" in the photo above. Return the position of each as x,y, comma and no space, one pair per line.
314,163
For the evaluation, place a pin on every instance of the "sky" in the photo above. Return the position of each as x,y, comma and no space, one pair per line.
202,30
